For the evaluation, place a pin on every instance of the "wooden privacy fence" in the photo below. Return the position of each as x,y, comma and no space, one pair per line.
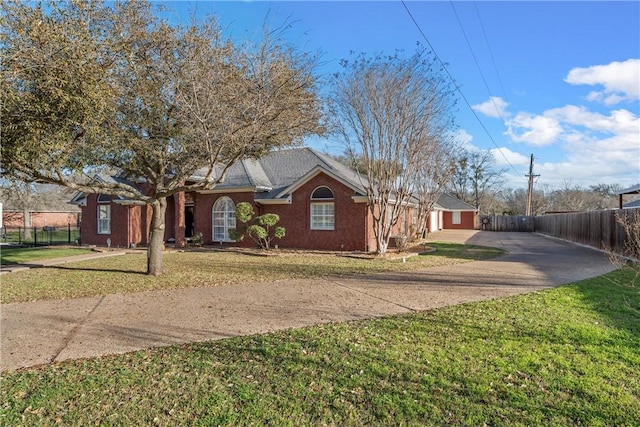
598,229
520,223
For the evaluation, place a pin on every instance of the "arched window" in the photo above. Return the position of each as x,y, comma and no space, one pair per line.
322,209
224,218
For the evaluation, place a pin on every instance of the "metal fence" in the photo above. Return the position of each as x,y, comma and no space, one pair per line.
41,236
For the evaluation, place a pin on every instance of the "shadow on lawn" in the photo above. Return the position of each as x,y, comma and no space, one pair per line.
96,269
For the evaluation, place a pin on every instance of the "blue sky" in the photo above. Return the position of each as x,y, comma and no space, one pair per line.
562,78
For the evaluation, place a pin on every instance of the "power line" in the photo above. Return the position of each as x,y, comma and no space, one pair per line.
456,85
475,60
493,61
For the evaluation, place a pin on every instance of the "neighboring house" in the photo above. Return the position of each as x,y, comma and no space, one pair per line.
15,218
452,213
635,190
321,203
631,205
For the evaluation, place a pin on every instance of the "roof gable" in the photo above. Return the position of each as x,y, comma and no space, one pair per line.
450,203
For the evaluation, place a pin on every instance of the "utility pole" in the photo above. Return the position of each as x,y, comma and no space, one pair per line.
531,176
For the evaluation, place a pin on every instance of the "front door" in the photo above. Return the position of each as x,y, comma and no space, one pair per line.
188,221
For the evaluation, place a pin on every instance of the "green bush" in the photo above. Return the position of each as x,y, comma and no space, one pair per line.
261,229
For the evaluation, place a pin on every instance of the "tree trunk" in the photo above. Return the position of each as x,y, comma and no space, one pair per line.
382,234
27,223
156,237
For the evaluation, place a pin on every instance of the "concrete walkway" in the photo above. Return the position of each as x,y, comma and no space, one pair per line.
50,331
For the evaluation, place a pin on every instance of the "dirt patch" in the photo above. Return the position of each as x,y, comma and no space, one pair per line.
391,255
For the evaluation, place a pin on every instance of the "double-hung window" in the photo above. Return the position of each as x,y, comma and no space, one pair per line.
104,219
322,209
455,217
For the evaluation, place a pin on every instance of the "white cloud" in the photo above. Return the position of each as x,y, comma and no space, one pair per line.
464,140
504,157
493,107
596,148
621,81
567,123
578,144
534,130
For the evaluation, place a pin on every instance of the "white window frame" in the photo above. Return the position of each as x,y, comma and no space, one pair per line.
323,216
456,217
322,211
104,219
225,217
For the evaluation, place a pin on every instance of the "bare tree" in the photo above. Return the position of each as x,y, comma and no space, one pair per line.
100,86
434,173
388,109
569,197
475,177
629,258
514,201
23,196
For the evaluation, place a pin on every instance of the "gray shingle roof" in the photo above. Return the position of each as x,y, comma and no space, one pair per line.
631,190
275,174
281,169
448,202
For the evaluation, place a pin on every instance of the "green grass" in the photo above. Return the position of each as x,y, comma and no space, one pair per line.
10,255
125,273
564,356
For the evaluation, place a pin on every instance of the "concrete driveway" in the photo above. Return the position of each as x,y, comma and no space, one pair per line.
43,332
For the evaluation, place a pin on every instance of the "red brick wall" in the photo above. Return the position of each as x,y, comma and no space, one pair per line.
40,219
119,225
138,225
467,220
350,231
402,226
203,209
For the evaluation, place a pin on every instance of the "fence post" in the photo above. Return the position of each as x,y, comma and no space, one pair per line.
35,237
69,233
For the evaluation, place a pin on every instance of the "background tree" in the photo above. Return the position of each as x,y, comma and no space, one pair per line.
387,109
573,198
22,196
475,178
101,86
515,201
435,170
28,197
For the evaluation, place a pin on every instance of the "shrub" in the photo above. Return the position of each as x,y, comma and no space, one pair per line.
261,228
197,239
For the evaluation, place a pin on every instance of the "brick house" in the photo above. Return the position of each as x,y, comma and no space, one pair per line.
321,203
15,219
452,213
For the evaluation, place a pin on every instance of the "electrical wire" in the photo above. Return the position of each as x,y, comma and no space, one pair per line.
457,86
493,61
475,60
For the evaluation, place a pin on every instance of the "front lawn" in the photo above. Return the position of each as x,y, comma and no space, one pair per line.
9,255
209,268
564,356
